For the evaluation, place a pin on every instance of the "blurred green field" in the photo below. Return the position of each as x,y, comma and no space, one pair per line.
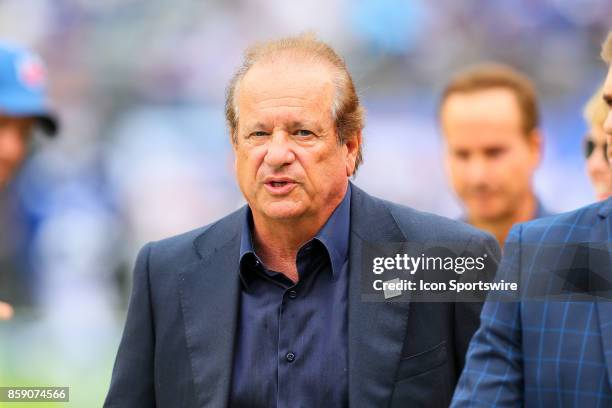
35,352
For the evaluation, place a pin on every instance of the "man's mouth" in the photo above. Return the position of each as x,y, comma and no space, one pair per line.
280,187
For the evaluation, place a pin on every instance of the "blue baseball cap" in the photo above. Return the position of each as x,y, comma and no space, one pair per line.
23,87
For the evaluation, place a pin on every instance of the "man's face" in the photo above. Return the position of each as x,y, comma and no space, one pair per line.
289,164
489,159
607,94
597,166
15,134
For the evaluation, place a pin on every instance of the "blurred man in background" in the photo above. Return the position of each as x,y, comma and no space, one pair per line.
489,118
23,108
596,145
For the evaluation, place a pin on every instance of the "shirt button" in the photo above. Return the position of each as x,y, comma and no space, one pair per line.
290,357
292,294
257,263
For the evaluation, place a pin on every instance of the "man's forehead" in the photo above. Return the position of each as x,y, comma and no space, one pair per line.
281,73
486,98
482,109
480,141
281,84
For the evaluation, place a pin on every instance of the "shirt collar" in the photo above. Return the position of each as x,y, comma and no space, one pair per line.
334,235
246,238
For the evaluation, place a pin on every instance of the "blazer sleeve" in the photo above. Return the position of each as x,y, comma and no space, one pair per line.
132,379
467,314
493,374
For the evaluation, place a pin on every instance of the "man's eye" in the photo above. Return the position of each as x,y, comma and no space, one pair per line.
259,133
462,155
303,132
494,152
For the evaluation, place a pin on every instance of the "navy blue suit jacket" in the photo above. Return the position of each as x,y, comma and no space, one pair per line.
177,346
547,353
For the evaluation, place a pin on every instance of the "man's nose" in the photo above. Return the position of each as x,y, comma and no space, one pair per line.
279,151
477,170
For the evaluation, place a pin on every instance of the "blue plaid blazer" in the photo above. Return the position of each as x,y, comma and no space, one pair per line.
545,353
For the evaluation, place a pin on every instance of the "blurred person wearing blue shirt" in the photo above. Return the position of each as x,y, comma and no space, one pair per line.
23,108
490,122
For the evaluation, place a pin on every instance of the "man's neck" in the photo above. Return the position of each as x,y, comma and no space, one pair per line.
500,227
277,242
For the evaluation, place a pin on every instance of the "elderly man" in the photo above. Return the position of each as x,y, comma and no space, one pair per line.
553,348
490,121
23,107
263,308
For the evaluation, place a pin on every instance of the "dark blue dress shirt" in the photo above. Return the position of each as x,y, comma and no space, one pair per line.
291,345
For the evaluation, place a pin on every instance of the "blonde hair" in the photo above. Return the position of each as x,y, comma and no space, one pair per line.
606,49
595,111
347,112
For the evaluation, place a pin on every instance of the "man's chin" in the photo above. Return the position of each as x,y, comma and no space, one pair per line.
486,213
283,211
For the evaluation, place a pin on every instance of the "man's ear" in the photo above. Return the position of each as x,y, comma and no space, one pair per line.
353,146
536,146
234,138
234,142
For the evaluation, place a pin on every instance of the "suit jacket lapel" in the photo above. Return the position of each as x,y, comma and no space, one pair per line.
376,330
209,291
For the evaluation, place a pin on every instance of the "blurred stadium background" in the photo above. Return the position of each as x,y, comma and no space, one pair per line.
144,153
